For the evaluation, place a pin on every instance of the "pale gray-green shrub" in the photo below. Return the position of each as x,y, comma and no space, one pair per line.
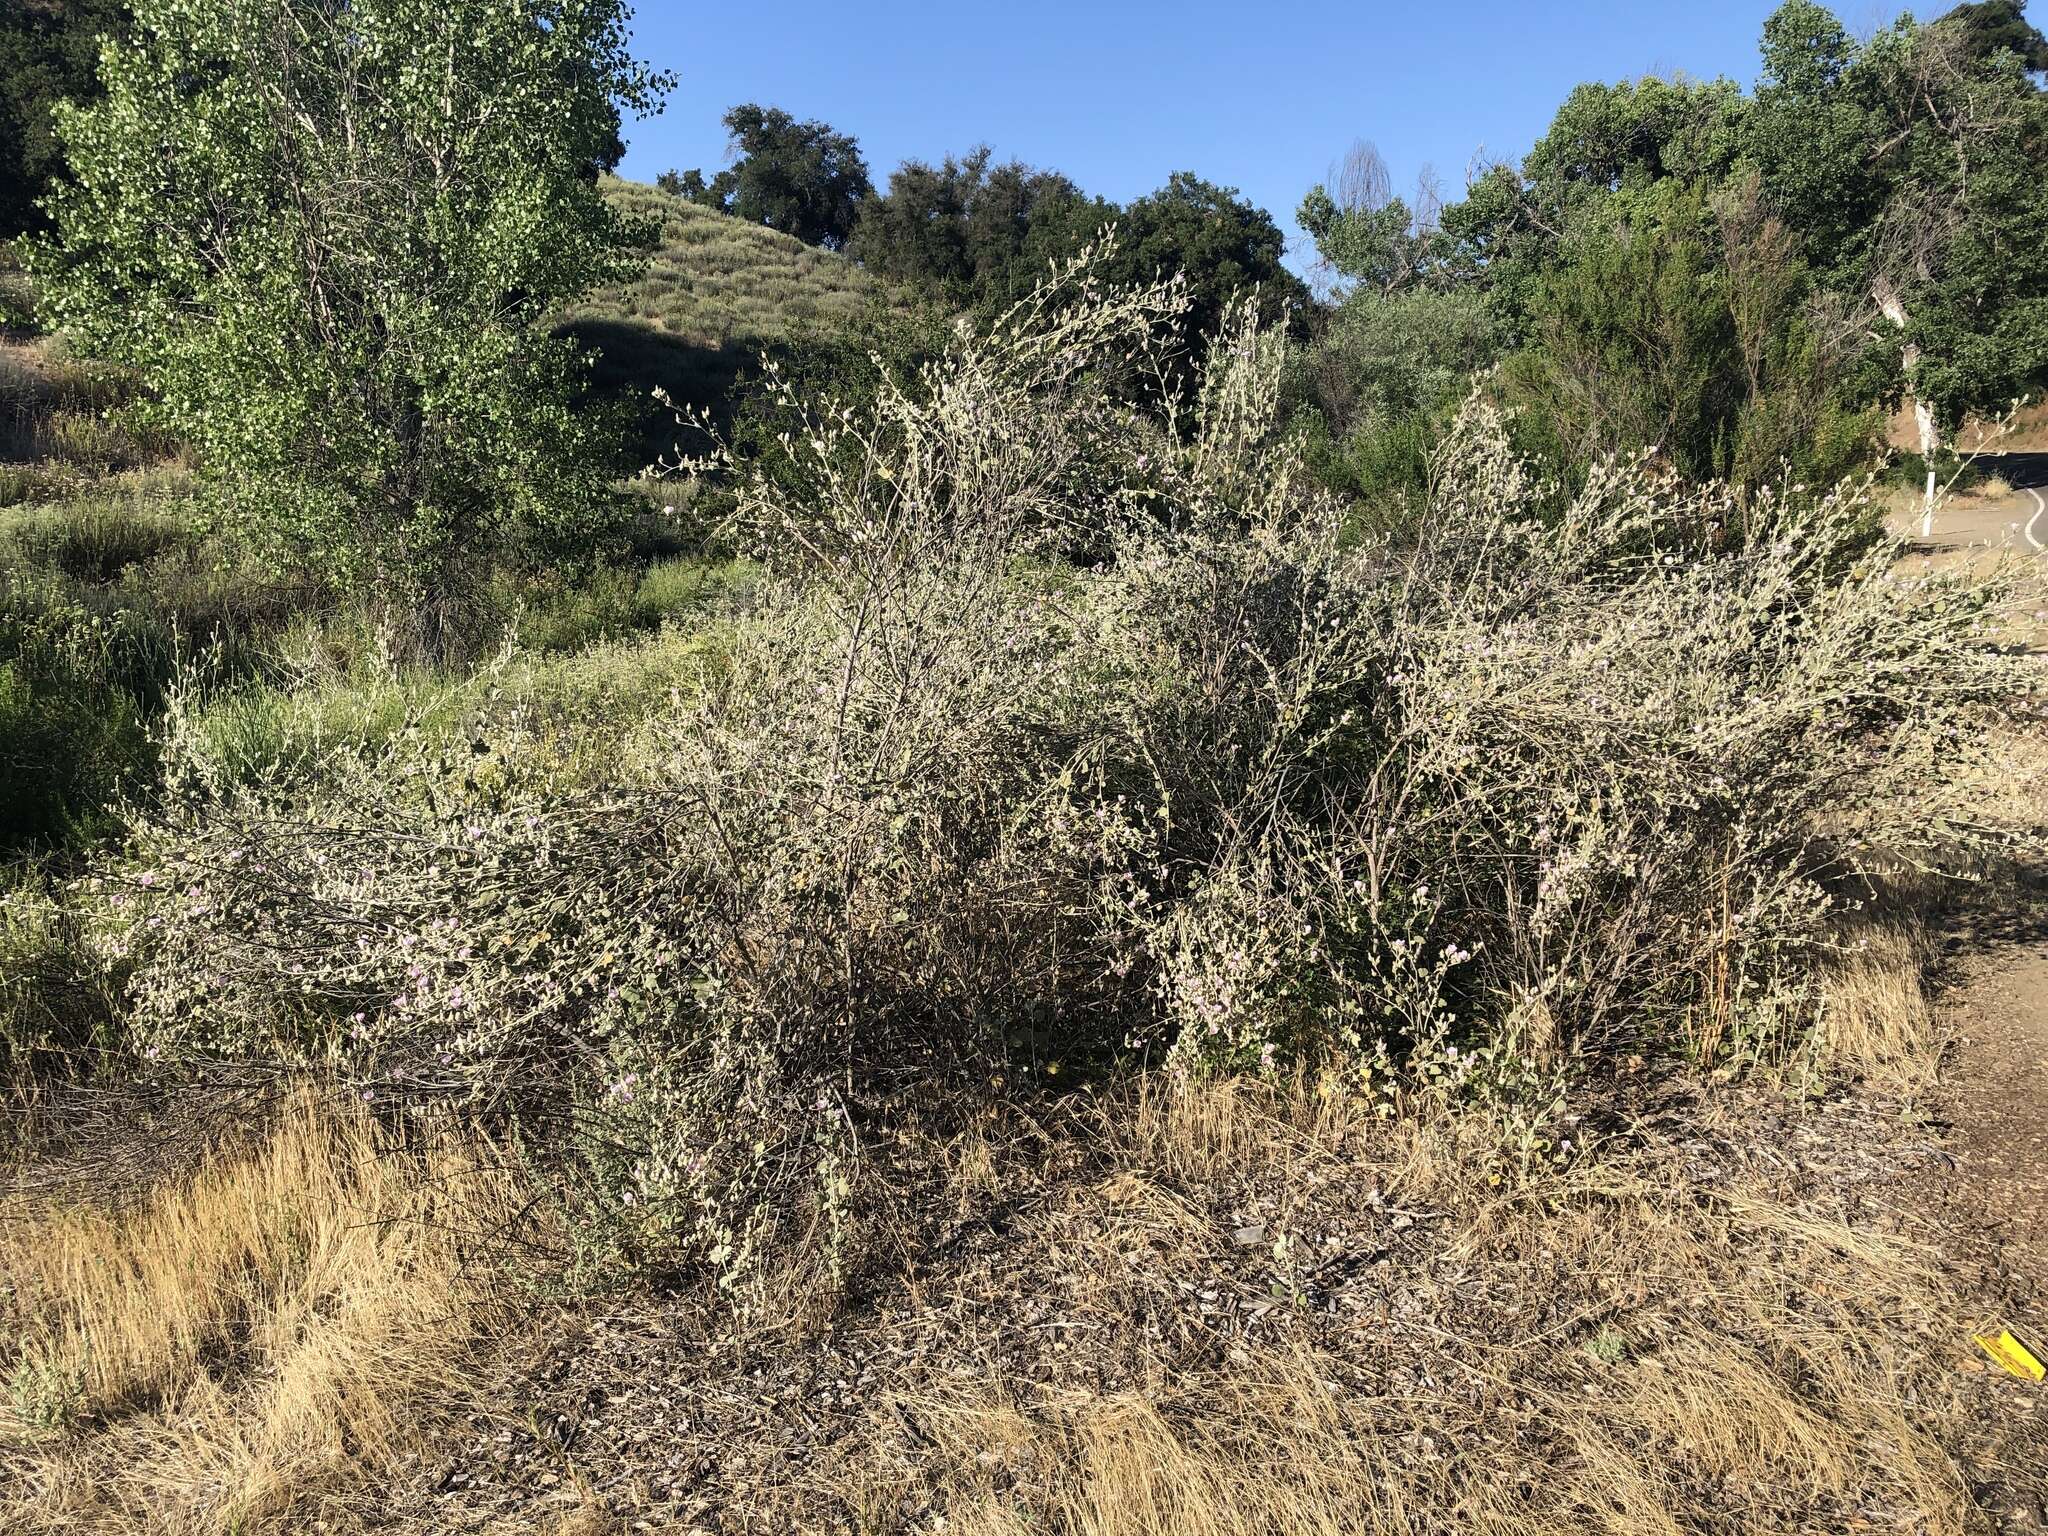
1064,728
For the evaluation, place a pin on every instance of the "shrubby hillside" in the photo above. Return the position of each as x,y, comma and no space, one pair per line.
713,294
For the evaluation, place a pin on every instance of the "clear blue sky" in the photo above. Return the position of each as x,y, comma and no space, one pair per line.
1117,95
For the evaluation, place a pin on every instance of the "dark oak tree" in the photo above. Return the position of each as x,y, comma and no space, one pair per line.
804,178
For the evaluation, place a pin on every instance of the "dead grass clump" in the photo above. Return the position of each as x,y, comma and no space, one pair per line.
1874,1016
242,1348
1632,1346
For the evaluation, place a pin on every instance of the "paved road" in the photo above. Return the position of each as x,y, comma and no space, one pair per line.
2017,522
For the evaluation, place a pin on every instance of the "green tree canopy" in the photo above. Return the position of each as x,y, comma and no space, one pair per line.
330,236
1740,280
1366,235
1989,26
1630,136
1911,167
1211,236
974,232
1606,142
978,235
806,179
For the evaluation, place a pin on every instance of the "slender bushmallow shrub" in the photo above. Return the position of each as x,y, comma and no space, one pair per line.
1072,725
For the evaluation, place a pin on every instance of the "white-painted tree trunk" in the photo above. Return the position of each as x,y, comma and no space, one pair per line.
1923,413
1930,443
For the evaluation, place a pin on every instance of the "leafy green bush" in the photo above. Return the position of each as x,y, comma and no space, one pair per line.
1383,375
336,274
1569,775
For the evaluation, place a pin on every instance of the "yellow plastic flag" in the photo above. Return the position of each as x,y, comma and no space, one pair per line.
2011,1354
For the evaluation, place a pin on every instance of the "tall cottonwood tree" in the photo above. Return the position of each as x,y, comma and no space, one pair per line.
330,235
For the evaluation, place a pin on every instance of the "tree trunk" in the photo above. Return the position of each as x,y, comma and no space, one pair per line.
1923,413
1930,444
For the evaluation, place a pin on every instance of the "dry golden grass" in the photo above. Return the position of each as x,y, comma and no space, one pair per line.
1875,1020
1611,1347
2016,784
716,292
1725,1354
241,1349
61,418
1735,1356
1874,1015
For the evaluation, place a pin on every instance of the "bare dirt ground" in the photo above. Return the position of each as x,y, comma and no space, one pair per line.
1985,1201
1999,1103
2029,431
